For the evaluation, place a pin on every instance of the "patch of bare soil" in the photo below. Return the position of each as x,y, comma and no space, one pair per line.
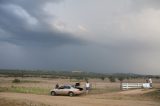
133,95
136,91
89,100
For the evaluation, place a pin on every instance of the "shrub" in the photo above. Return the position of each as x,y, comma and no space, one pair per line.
121,79
112,79
102,78
16,80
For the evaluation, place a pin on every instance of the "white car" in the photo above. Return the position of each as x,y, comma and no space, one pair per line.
67,90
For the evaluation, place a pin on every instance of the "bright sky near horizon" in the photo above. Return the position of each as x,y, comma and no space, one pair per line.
88,35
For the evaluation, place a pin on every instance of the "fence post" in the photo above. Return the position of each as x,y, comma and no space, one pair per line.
121,86
127,85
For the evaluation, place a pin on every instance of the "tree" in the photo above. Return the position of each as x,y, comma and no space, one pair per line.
16,81
86,79
121,80
112,79
102,78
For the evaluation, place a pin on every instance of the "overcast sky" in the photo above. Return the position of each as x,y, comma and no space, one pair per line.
89,35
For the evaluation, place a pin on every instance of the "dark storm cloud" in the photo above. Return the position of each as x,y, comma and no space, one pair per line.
121,35
24,22
34,7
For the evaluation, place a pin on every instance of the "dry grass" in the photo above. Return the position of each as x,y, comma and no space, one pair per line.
103,93
155,95
43,85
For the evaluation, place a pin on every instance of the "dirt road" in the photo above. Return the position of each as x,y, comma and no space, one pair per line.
76,101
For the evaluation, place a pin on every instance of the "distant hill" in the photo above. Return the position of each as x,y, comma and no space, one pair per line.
67,74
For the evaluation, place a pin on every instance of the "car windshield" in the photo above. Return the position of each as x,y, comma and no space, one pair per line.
64,87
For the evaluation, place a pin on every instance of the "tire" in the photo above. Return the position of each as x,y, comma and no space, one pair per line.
53,93
71,94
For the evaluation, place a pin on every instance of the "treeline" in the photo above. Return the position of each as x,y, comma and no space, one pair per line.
48,74
71,75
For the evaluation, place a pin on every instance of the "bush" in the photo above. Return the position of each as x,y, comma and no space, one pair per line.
112,79
16,81
102,78
121,79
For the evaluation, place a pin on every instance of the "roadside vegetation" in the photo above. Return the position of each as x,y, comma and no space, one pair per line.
155,95
31,90
16,80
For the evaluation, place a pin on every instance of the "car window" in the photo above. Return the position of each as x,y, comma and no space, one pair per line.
61,87
67,87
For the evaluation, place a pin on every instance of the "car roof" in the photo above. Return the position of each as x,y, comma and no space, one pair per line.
67,85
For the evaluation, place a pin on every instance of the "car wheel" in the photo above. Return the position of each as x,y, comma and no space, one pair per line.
71,94
53,93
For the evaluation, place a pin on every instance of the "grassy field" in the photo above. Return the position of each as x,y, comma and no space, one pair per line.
35,91
155,95
32,90
44,85
36,85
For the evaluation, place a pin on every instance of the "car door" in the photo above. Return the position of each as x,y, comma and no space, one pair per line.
60,90
66,89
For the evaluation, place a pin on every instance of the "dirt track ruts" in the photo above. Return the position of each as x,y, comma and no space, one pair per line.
75,101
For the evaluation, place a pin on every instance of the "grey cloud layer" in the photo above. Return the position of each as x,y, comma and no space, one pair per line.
121,35
25,24
140,4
